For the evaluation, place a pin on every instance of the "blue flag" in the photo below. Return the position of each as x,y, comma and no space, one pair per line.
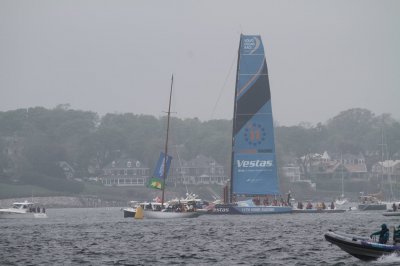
159,171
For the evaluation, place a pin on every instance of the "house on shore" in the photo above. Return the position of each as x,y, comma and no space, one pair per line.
125,172
200,170
388,171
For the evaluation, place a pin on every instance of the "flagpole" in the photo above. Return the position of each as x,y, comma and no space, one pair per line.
166,145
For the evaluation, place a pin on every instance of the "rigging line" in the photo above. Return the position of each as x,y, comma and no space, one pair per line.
223,86
180,166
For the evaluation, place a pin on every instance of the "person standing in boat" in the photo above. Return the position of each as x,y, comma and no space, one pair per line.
300,205
265,201
383,234
396,235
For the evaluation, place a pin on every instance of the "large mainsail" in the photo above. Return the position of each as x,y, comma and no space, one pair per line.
254,169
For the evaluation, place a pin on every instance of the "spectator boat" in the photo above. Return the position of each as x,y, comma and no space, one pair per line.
362,248
23,210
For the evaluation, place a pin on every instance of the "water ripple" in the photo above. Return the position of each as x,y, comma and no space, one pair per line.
103,237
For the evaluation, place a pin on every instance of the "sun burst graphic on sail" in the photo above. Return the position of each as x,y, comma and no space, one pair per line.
255,134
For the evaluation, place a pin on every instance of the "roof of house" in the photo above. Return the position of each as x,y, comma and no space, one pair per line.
389,163
335,166
356,168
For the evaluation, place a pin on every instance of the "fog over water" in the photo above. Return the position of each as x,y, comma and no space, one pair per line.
117,56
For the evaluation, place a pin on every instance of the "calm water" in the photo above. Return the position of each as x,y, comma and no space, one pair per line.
103,237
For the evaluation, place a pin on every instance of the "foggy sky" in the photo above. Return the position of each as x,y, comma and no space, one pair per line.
323,57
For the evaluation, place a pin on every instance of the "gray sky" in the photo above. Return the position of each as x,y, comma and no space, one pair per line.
117,56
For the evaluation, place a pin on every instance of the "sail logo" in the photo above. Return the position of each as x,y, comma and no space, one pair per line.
249,43
254,163
255,134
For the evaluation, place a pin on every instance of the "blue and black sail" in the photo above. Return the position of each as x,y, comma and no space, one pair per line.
254,169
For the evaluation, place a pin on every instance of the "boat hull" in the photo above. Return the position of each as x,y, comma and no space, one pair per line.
318,211
17,215
169,215
129,212
372,207
359,247
391,214
250,210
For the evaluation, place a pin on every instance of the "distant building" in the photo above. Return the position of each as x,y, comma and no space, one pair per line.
292,172
200,170
388,170
68,171
125,172
328,167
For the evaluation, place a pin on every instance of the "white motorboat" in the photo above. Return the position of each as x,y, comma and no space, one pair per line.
23,210
130,211
192,202
371,203
341,201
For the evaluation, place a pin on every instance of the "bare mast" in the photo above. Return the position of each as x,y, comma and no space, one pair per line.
166,144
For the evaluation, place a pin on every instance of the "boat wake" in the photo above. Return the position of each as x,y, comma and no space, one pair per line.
392,259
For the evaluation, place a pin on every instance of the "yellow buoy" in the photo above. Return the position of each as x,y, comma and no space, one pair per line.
139,213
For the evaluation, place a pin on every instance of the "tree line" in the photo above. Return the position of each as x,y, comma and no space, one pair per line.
34,140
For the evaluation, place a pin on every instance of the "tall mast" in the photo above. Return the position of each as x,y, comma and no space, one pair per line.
234,124
166,144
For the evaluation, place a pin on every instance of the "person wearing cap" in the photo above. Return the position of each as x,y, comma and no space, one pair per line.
383,234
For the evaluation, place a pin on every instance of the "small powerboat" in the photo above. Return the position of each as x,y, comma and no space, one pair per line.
362,248
23,210
371,203
130,211
391,213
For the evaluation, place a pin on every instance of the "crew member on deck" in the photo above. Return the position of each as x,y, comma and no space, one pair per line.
266,202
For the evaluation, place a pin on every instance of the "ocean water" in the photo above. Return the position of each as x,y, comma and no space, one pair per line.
101,236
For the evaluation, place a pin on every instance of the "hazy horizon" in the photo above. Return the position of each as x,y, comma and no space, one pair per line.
118,57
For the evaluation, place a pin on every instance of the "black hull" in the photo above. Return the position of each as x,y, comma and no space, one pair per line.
359,247
129,214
